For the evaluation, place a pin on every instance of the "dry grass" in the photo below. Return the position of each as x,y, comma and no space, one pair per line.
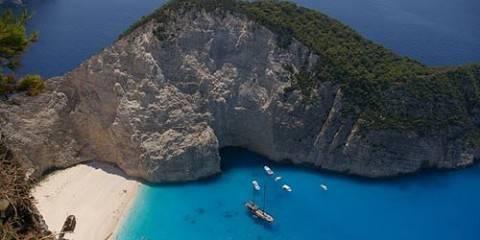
20,220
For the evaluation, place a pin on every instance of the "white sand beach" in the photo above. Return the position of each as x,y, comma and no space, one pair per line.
97,194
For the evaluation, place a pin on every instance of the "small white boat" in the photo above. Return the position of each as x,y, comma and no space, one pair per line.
278,178
268,170
286,188
324,187
256,186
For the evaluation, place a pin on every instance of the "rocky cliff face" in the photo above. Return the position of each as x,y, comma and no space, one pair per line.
161,105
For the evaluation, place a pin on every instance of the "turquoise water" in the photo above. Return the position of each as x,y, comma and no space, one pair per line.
432,206
441,205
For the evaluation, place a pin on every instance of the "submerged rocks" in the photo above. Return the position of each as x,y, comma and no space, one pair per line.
162,100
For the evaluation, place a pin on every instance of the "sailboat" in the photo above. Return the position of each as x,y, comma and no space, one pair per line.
258,212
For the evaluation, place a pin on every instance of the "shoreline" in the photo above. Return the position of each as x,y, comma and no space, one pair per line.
98,194
124,214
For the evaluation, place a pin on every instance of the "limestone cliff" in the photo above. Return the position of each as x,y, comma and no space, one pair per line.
162,100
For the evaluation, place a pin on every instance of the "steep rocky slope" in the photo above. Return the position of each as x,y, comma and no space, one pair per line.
200,75
19,218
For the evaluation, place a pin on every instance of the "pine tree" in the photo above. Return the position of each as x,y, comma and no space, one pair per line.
14,40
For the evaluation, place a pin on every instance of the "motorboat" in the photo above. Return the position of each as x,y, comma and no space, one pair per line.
286,188
256,186
268,170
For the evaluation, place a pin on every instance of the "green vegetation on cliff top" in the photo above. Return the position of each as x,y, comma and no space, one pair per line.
382,89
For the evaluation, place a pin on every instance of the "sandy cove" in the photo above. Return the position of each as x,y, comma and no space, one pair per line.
97,194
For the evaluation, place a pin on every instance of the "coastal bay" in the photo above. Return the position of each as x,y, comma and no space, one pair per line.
109,205
433,205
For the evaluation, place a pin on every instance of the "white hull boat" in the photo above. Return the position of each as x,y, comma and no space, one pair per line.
268,170
287,188
256,186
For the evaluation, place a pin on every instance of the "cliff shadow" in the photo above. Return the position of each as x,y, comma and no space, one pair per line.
236,157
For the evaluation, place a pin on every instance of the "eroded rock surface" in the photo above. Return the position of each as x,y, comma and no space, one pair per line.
161,110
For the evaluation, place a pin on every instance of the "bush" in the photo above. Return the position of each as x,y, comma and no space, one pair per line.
6,84
19,220
32,84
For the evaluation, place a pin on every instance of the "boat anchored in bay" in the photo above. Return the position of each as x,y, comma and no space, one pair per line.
259,213
253,208
256,186
268,170
286,188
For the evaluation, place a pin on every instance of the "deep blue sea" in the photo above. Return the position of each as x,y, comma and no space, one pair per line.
434,205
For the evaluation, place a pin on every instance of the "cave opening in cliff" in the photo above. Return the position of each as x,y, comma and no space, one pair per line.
237,157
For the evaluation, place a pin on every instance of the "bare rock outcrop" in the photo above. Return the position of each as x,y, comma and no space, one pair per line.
161,108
